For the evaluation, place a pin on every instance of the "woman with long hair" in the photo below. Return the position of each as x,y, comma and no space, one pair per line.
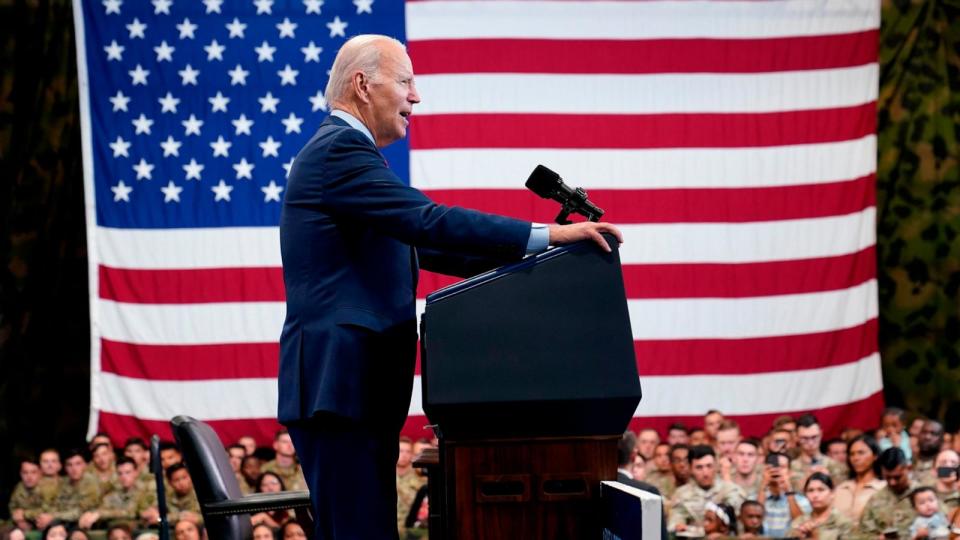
270,482
824,522
853,494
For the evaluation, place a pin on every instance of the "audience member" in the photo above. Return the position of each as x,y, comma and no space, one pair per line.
56,530
788,425
687,505
182,503
930,521
15,533
270,482
248,443
78,534
647,441
120,531
728,435
946,466
779,441
137,450
751,519
250,471
679,464
408,481
235,454
677,434
697,437
781,504
169,454
746,473
104,467
639,468
836,449
79,494
27,501
285,463
262,532
809,458
187,530
101,438
894,431
890,508
823,522
125,503
292,530
852,495
929,444
711,424
719,520
659,472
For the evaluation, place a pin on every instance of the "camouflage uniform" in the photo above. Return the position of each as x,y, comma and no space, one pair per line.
177,504
292,476
800,470
949,501
662,481
925,473
30,500
244,486
49,488
836,527
147,480
689,499
106,484
407,486
74,499
126,504
752,491
887,510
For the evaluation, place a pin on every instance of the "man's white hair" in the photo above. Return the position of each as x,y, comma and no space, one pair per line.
360,53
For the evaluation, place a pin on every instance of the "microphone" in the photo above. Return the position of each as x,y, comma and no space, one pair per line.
548,185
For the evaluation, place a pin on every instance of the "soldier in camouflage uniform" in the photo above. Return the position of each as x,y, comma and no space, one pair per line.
408,482
746,471
285,465
79,493
811,459
946,486
687,504
26,501
125,503
890,508
182,501
104,469
824,521
929,443
661,475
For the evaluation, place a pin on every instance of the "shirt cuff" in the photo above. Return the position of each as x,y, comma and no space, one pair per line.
539,238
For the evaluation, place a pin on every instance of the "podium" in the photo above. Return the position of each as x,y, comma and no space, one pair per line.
529,375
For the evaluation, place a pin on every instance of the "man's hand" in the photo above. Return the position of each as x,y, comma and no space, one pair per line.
43,520
88,519
586,230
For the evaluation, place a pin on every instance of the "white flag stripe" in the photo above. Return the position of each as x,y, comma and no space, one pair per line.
646,94
479,168
637,20
776,392
216,399
803,390
192,324
643,244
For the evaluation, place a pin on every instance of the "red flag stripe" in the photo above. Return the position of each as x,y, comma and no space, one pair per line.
644,56
700,205
695,130
190,362
121,426
192,286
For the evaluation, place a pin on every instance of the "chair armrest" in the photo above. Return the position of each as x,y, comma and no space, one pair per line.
259,502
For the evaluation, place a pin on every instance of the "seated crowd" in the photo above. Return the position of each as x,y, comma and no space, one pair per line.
111,494
898,482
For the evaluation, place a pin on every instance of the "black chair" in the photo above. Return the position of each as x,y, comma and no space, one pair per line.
226,512
157,469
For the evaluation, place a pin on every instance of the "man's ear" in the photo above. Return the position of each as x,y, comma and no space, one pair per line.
361,86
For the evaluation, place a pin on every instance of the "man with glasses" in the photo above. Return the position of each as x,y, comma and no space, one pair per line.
810,459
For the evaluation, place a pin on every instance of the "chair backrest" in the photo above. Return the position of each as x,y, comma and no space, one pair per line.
213,478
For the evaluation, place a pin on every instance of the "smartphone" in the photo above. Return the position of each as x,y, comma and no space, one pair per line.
773,459
891,533
946,472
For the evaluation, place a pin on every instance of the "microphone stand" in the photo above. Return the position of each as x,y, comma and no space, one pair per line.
575,204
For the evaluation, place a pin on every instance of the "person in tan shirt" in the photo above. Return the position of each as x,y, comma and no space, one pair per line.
852,495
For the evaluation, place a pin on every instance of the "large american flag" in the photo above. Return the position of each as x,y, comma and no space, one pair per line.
734,142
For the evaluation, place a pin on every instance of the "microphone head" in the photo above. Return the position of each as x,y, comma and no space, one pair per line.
544,182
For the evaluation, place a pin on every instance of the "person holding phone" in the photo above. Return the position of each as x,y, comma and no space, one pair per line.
781,504
811,459
947,485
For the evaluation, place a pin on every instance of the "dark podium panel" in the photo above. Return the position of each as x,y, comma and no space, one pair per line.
529,374
538,348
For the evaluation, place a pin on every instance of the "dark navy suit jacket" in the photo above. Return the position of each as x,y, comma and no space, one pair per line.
352,237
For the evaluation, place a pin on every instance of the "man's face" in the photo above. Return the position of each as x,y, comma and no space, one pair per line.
838,451
186,530
29,474
283,445
50,463
704,471
751,515
680,465
76,466
250,467
180,482
138,454
661,458
127,474
779,442
169,456
392,95
897,479
809,438
677,436
948,458
405,455
698,437
249,444
646,443
745,458
931,438
711,424
727,440
119,534
236,458
103,458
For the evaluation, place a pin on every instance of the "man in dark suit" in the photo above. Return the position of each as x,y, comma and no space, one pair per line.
352,238
626,453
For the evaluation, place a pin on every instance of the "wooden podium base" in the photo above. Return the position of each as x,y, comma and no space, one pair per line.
520,488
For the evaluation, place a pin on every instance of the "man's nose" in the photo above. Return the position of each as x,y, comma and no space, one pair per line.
413,96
